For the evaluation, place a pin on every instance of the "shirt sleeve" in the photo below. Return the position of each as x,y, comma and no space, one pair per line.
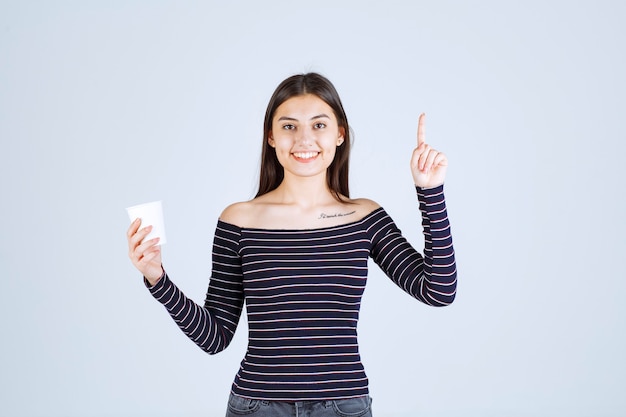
430,278
213,325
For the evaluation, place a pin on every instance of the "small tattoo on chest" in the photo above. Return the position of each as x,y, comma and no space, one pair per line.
331,216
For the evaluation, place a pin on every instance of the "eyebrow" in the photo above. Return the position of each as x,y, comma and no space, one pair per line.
319,116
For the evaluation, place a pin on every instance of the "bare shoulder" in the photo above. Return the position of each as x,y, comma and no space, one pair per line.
364,206
238,213
266,213
366,203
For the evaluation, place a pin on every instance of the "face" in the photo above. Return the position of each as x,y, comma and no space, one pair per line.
305,135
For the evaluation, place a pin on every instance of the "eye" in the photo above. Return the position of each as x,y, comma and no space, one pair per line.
319,125
288,127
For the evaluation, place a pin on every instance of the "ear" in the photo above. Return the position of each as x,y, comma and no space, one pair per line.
340,138
270,141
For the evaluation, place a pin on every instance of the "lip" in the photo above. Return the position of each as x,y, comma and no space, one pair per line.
305,156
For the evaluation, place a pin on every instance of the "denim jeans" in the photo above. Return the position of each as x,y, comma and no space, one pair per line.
351,407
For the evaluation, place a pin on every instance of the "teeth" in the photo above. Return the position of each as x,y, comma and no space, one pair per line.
305,155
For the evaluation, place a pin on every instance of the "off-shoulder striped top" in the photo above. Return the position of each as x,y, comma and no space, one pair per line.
302,290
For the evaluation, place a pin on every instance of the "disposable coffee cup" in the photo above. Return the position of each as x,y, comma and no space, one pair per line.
151,214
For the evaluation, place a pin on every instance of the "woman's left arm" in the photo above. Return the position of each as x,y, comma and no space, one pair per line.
430,278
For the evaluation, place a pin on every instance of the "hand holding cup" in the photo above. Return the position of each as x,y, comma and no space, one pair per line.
144,243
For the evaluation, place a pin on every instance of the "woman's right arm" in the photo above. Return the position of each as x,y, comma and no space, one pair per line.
213,325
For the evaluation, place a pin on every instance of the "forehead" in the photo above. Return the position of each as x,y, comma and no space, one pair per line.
304,107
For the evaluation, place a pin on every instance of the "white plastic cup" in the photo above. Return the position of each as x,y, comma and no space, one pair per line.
151,214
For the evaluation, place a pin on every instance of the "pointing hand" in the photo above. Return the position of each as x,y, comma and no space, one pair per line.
428,165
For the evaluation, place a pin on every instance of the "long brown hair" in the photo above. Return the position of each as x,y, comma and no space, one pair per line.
272,173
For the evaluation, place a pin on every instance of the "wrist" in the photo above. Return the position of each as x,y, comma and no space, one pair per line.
152,280
429,187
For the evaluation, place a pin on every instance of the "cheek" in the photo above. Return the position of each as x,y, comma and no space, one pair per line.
331,154
281,151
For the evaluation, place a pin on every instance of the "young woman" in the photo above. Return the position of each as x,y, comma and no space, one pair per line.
297,255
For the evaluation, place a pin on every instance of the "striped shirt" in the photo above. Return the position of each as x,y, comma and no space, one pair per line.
302,290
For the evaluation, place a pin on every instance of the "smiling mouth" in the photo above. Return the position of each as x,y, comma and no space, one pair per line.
305,156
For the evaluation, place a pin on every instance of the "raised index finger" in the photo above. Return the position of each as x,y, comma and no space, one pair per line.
421,130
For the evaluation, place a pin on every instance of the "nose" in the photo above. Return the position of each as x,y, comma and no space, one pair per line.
304,139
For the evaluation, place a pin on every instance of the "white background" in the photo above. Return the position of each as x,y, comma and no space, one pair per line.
107,104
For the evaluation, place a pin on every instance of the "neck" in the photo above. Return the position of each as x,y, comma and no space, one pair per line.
305,191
